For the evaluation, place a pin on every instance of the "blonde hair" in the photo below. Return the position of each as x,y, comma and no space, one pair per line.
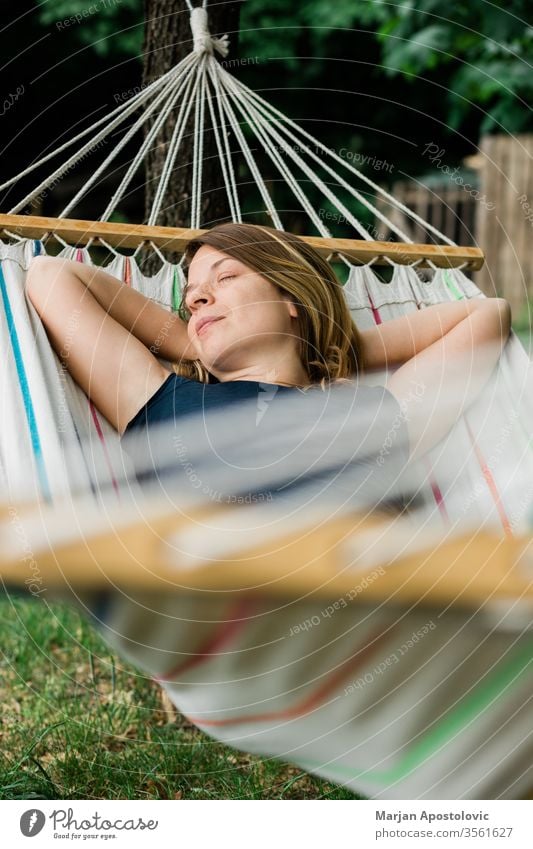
329,342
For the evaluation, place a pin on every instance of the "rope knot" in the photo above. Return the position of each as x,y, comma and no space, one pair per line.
203,41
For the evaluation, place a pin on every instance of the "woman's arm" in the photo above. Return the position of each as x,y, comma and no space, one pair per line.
449,352
394,342
164,333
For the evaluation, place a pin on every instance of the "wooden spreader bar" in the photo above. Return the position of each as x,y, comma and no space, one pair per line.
78,232
365,560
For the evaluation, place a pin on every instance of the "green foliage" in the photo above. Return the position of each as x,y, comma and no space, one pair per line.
111,27
481,51
431,47
478,52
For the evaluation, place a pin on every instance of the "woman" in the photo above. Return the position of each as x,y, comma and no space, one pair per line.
260,307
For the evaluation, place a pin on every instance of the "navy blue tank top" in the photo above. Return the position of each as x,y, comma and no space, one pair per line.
178,396
382,448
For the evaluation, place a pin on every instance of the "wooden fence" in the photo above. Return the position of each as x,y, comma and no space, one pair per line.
494,213
504,225
443,205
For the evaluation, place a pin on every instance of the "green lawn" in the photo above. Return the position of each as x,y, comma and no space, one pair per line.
77,723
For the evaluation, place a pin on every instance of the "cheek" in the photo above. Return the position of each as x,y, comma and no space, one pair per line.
192,337
194,350
262,314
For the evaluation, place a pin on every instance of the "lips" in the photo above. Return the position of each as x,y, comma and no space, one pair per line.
206,321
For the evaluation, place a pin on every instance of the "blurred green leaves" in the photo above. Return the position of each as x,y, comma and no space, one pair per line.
112,27
478,52
482,52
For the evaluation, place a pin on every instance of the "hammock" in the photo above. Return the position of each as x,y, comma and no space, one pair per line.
289,664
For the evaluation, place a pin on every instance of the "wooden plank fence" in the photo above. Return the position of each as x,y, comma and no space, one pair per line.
444,205
497,217
504,226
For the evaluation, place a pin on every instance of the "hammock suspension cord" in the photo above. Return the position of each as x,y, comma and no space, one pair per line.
197,82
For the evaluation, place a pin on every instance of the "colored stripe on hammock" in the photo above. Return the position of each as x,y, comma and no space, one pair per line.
452,286
127,271
314,700
375,312
491,483
176,291
237,621
29,409
453,723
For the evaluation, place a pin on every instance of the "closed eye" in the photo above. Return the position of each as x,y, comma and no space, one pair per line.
183,311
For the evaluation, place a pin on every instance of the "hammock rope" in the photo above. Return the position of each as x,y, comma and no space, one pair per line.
199,79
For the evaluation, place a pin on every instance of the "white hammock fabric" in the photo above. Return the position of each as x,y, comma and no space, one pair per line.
450,718
304,680
489,448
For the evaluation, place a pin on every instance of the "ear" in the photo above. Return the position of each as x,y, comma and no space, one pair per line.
291,308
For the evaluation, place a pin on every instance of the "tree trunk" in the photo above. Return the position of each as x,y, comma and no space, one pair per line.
167,41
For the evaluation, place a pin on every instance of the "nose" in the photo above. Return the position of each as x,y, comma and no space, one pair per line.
201,296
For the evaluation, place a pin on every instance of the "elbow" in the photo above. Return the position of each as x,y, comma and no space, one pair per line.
504,317
496,313
42,272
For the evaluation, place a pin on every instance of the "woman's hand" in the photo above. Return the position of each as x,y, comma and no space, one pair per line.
448,353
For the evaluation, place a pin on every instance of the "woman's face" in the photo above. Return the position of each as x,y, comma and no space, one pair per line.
238,318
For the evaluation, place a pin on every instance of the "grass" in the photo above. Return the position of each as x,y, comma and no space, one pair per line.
77,723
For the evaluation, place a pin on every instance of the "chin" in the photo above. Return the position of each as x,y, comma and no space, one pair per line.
226,358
